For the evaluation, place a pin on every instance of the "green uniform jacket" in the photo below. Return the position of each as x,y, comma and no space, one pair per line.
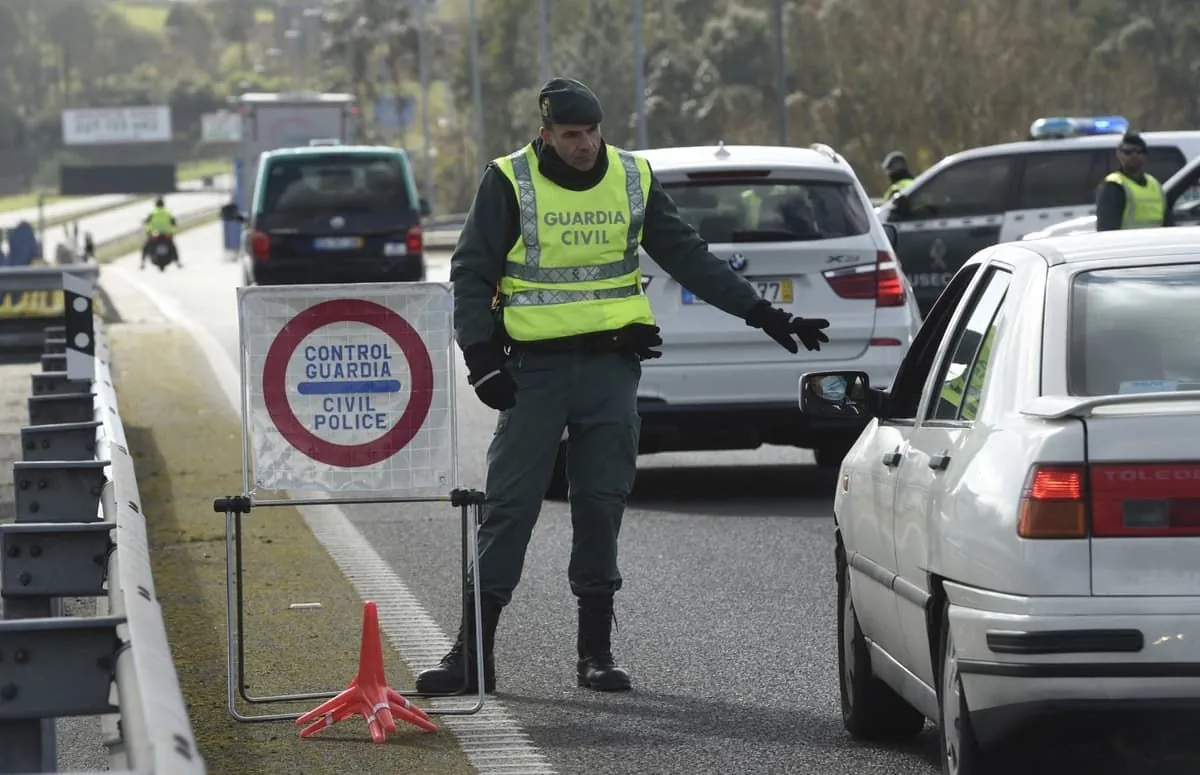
492,228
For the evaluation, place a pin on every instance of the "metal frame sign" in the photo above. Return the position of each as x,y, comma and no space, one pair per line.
109,126
222,127
348,388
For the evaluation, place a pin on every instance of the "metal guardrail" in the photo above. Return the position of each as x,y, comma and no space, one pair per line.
80,532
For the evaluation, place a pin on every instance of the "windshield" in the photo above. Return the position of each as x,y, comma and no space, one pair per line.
336,183
778,211
1134,330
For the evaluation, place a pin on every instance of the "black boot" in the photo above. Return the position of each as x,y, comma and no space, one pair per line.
596,668
448,677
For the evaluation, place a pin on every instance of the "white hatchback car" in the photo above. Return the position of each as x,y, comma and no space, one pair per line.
798,224
1017,528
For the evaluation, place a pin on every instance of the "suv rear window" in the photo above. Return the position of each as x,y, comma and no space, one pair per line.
1134,330
344,183
725,211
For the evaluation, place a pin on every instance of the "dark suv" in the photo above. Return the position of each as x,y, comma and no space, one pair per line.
333,214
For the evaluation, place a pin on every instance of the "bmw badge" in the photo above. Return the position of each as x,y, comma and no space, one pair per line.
737,262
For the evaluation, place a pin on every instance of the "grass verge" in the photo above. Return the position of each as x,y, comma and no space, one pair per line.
186,445
185,172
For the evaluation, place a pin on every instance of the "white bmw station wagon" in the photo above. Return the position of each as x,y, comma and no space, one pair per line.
1018,526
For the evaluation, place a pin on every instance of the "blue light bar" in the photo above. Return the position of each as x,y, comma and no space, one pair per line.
1065,126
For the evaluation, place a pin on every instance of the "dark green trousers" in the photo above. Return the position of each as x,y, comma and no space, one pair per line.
594,397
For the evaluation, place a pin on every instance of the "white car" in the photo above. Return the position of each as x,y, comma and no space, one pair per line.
798,224
1181,190
1030,542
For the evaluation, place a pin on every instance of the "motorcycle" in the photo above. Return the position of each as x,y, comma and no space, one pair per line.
161,248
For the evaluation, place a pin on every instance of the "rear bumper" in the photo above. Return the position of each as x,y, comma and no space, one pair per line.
1025,658
284,271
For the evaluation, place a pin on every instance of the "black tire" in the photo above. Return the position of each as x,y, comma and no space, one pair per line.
964,756
871,710
557,491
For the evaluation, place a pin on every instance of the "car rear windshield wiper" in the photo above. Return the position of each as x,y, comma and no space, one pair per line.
774,235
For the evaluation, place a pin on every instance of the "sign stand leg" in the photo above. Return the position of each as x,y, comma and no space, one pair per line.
470,504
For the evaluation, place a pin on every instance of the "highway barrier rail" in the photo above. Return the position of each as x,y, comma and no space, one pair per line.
79,532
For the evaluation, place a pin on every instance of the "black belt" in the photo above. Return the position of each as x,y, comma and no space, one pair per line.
598,343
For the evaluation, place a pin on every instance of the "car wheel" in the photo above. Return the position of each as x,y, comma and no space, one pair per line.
871,710
960,751
557,491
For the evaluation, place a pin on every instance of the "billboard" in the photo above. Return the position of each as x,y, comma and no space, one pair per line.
109,126
221,127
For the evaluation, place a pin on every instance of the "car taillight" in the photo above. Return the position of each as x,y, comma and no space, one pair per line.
879,281
260,246
890,290
1145,500
414,241
1052,503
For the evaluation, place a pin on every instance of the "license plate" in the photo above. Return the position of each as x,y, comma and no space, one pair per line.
776,291
337,243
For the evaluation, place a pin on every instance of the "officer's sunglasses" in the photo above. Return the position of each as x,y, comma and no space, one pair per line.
1130,150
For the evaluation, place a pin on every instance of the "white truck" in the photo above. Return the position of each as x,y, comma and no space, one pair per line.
283,120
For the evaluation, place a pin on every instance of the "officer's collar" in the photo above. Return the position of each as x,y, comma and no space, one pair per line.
558,171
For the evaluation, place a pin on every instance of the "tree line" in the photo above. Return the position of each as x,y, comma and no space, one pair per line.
928,77
60,54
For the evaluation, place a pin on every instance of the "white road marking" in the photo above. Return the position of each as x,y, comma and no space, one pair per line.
492,740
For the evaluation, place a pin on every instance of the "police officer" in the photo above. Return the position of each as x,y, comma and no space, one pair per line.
553,323
162,221
895,164
1131,198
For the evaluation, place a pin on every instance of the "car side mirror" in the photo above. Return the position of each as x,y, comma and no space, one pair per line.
901,207
426,209
230,213
836,394
893,234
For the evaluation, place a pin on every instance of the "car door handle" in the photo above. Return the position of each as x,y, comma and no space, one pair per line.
892,459
939,461
981,231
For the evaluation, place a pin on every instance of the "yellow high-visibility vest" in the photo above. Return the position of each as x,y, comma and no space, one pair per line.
160,221
896,188
574,269
1145,205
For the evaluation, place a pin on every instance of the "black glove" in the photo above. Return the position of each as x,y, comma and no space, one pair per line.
781,327
486,373
639,338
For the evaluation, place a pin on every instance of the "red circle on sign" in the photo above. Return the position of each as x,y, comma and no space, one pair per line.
347,311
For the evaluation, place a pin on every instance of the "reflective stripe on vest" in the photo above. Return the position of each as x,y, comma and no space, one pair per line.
574,269
1145,205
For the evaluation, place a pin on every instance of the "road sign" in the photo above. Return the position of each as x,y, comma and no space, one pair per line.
221,127
100,126
349,389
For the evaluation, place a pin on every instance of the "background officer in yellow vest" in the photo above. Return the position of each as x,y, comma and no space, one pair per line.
1131,198
553,322
895,164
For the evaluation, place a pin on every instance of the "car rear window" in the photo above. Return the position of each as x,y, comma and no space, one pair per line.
724,211
336,183
1134,330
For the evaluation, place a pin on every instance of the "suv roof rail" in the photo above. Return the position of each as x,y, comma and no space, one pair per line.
826,151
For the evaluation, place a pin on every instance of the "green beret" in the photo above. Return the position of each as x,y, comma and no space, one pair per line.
567,101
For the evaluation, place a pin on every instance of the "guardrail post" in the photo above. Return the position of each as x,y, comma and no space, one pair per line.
50,383
61,407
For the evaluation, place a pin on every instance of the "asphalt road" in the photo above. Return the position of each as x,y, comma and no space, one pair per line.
727,619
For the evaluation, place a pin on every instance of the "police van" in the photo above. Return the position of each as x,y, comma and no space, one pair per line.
999,193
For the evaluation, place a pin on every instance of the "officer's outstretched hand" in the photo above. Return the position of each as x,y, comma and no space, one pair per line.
782,327
486,373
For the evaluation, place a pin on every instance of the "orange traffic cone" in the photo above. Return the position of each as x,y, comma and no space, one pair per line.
368,695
